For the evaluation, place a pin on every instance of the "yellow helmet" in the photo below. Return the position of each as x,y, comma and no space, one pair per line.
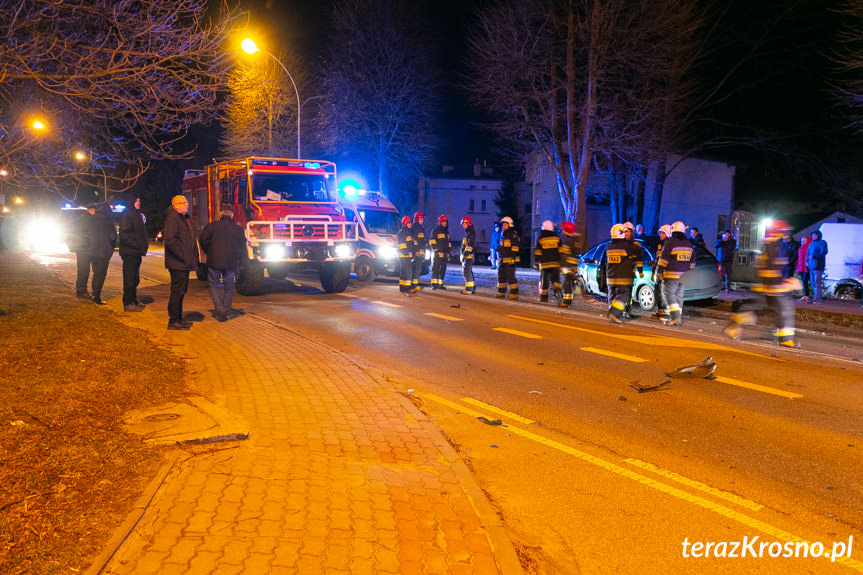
618,231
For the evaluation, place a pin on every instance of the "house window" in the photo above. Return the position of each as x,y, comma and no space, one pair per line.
484,206
470,209
482,236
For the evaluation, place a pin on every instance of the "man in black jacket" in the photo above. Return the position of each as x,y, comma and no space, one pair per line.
133,246
102,240
181,257
224,242
79,242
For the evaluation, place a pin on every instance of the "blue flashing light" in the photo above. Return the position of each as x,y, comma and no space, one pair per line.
119,207
67,205
312,165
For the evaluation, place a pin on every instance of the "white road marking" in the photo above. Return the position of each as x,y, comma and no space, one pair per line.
499,411
386,303
631,358
446,317
518,333
756,387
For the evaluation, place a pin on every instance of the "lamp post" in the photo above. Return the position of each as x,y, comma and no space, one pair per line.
3,174
249,47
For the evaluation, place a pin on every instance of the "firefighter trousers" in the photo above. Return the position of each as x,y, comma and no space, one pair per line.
781,304
417,270
506,278
672,296
618,299
549,276
405,274
438,271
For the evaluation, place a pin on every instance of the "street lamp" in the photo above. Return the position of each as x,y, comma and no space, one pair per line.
3,174
249,47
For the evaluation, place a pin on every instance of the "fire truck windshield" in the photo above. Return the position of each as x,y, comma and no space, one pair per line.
289,188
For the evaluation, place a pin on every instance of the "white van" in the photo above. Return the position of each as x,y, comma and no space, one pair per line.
378,223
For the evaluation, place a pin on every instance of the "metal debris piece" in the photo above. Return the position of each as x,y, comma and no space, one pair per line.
537,392
642,389
490,421
458,305
701,370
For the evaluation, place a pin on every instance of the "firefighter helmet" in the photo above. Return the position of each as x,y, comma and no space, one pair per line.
629,226
618,231
406,220
548,226
568,228
442,218
678,226
507,220
666,229
776,229
467,220
418,215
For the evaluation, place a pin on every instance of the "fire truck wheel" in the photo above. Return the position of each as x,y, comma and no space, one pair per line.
335,277
364,269
251,280
201,272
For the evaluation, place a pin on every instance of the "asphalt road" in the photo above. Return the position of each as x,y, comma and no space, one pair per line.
590,475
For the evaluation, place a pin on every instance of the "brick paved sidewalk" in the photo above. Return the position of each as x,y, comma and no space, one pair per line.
339,475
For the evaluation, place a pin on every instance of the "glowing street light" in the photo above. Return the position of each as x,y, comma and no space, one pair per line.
80,156
249,47
38,125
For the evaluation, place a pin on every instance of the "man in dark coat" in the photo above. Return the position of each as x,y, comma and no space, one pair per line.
725,247
102,239
133,246
181,257
816,259
79,242
224,242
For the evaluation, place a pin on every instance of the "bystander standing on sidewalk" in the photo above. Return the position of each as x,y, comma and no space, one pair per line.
133,246
802,269
181,257
696,238
79,243
102,240
495,241
816,258
788,249
725,247
224,242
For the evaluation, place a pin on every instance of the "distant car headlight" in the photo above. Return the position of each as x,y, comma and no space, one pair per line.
344,251
387,252
274,252
43,235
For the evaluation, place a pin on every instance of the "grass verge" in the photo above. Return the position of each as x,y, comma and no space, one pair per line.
69,370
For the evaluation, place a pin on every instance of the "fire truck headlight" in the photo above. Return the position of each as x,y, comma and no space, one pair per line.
44,235
274,252
344,251
387,252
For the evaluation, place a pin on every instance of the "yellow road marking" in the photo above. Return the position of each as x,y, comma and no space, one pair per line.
631,358
386,303
658,340
347,295
446,317
695,484
499,411
756,387
751,522
519,333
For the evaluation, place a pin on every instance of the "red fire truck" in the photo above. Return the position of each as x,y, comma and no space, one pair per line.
289,212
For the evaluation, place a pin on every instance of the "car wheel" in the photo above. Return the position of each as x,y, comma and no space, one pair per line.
846,292
645,297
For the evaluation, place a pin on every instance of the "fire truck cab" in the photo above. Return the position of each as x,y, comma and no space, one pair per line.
288,210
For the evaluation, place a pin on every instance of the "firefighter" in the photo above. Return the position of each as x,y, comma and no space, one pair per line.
677,258
773,289
508,249
440,245
547,253
407,250
655,277
420,242
623,257
570,247
468,245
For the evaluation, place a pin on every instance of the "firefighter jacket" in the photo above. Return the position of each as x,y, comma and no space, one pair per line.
623,257
407,245
419,239
547,250
440,242
468,244
570,247
509,245
770,263
677,257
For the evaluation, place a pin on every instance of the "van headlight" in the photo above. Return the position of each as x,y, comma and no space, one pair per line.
344,251
387,252
274,252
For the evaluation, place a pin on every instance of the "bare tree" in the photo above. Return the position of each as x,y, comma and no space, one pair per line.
261,113
381,100
121,80
576,81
